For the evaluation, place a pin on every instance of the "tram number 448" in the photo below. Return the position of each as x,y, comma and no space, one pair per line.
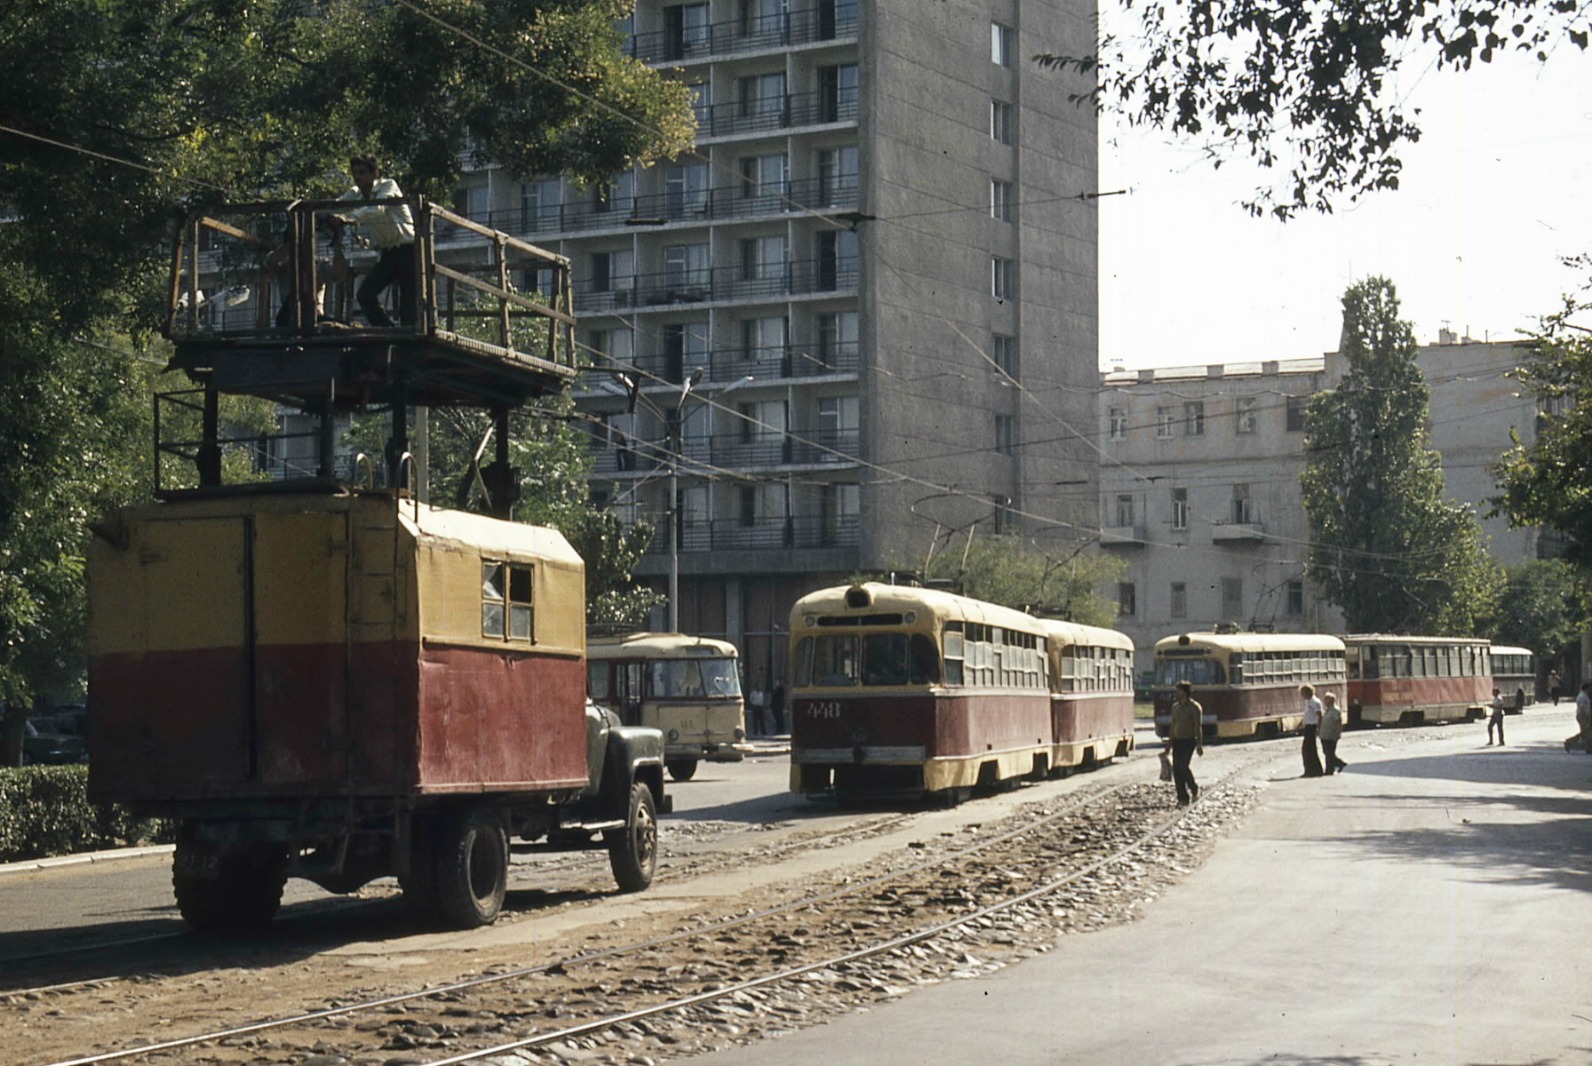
830,709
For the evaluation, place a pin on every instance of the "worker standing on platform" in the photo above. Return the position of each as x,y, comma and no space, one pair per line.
390,228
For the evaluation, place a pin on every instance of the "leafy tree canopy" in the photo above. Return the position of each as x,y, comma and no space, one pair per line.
1012,571
1386,546
1306,87
1540,608
1547,483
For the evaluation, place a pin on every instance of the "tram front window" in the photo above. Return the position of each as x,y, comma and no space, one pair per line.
878,659
1194,671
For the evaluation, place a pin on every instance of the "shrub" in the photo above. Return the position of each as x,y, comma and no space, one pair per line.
45,810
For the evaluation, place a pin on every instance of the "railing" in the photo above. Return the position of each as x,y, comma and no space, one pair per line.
821,23
675,287
287,269
724,365
790,111
725,534
734,451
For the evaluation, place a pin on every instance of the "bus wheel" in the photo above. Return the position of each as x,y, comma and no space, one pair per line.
681,769
472,867
227,891
633,850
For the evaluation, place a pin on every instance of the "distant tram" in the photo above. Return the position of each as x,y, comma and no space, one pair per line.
1515,671
901,691
1248,683
1091,701
688,687
1410,680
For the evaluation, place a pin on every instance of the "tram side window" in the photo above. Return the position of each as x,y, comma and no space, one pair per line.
506,597
1194,671
953,653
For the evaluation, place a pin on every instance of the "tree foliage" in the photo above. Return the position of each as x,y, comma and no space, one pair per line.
1386,547
1546,483
1540,608
1008,569
1306,87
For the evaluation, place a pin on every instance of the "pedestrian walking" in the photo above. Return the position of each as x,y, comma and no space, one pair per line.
1553,686
1312,725
776,707
1495,720
1185,735
1583,715
1331,731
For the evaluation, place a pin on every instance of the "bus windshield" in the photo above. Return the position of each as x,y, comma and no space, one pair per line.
1194,671
693,678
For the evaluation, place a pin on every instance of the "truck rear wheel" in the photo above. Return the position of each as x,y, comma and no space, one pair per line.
682,769
227,891
472,867
633,850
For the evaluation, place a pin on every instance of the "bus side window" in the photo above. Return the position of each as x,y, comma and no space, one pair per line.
597,680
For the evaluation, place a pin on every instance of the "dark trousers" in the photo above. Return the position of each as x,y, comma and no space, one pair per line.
1495,722
1311,756
395,266
1182,770
1329,755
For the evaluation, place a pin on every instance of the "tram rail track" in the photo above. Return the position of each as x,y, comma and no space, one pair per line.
560,981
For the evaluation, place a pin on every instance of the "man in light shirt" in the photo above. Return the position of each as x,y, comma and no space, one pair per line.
390,229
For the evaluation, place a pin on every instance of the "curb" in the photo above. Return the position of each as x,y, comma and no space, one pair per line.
82,859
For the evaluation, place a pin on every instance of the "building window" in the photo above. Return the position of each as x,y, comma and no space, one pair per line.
763,176
1179,600
1125,510
1248,416
838,170
837,341
764,339
1127,598
1295,605
1243,513
1194,418
1000,121
763,94
1296,413
1165,420
1232,598
1003,352
539,204
685,348
612,271
702,104
763,258
685,31
506,600
1180,508
1005,434
1000,200
1117,422
1003,278
1002,44
837,89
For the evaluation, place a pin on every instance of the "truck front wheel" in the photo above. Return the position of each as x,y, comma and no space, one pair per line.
472,871
633,850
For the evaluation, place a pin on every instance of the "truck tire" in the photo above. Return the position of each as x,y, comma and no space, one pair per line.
227,891
472,867
682,769
633,850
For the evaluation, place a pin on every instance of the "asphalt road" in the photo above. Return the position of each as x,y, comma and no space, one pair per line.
1427,906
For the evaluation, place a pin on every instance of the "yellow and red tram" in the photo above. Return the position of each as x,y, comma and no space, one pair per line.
1248,683
904,691
1405,680
1091,700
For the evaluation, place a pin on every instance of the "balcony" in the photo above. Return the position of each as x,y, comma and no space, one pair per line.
672,288
786,112
733,451
1123,537
732,364
767,534
739,36
1227,532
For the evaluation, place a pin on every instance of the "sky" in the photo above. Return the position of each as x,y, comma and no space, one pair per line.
1498,189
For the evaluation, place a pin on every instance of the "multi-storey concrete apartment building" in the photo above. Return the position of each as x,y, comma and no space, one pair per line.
861,312
1199,484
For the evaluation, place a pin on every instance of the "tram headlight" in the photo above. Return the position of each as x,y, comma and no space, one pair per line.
740,734
674,735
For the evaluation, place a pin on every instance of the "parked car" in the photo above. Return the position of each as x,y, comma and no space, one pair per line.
54,739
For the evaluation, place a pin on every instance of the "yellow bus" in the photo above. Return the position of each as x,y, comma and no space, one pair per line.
689,687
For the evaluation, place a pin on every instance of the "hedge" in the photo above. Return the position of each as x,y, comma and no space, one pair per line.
45,810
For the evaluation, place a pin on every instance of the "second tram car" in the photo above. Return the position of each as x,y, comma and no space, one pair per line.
687,687
1515,674
1091,702
1248,683
1410,680
903,691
